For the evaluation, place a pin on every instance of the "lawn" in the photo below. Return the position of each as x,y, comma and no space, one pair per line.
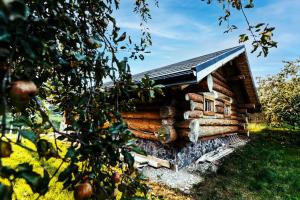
268,167
21,189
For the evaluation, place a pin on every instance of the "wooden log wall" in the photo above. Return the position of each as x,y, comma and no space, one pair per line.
156,125
186,117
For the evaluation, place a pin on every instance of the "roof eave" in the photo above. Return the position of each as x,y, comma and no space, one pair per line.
209,66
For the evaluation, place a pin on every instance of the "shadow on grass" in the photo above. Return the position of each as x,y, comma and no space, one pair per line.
268,167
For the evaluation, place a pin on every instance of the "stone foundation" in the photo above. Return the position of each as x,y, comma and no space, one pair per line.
185,155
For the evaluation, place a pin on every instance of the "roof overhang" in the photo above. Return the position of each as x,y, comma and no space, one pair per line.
209,66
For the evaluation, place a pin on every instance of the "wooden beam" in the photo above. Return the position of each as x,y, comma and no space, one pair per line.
238,77
247,105
151,160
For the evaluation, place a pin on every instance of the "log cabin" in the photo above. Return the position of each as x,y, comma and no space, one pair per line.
206,100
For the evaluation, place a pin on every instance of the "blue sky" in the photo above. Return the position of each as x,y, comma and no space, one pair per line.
183,29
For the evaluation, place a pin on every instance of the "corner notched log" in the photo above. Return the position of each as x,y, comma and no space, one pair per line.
166,134
207,84
167,112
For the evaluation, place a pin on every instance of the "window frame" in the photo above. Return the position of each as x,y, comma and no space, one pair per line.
211,99
228,105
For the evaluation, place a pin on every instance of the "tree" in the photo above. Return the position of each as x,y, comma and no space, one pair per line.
280,95
60,52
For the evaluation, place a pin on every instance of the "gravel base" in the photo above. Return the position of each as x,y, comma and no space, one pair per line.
186,177
182,180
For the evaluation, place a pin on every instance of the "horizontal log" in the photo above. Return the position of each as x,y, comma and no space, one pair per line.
206,131
215,116
237,78
144,135
194,97
144,124
223,90
221,83
249,106
207,122
242,110
196,105
193,114
141,115
219,76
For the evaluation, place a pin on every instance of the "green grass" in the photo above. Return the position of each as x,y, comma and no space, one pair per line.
268,167
21,189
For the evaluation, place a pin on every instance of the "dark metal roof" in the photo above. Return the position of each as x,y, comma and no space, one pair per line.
187,67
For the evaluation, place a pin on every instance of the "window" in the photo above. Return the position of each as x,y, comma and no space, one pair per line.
227,109
209,105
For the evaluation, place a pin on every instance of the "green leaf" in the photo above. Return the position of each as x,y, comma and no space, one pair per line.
67,172
138,150
5,192
121,38
24,167
32,178
5,37
259,25
128,158
79,57
6,172
30,135
250,5
152,94
71,153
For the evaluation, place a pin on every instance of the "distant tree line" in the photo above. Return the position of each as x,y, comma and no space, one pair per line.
280,95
